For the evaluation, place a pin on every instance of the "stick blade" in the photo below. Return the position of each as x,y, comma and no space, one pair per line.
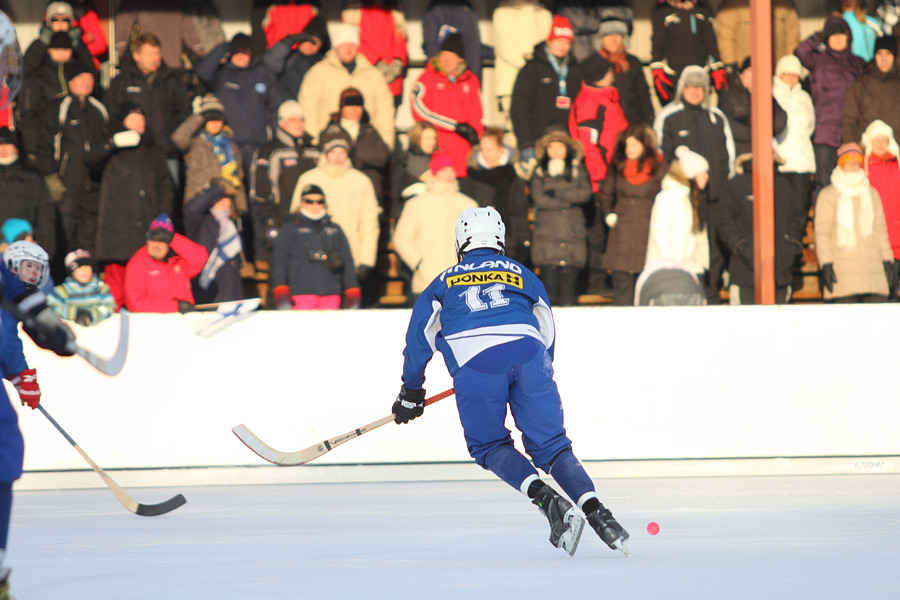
277,457
154,510
113,365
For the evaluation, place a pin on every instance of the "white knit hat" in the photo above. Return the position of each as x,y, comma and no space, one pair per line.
789,64
59,9
879,128
692,164
290,109
344,33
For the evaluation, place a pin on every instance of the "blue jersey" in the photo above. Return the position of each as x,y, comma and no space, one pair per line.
483,301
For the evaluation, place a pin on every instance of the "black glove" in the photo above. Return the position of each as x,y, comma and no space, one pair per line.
185,307
828,277
467,132
83,317
891,276
408,405
49,332
362,272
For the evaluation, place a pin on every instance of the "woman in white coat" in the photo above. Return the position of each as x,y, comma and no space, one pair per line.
795,153
424,238
678,222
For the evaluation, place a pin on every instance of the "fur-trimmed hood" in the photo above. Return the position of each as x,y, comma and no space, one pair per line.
576,149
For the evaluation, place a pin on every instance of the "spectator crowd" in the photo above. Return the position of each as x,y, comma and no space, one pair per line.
171,166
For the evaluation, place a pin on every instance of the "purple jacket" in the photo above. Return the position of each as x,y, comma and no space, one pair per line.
831,74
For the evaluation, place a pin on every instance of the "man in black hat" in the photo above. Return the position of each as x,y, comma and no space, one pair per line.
448,96
44,84
874,95
247,90
23,193
73,146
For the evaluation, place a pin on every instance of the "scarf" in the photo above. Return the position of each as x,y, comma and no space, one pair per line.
556,167
850,186
618,60
221,145
635,174
228,246
351,127
501,162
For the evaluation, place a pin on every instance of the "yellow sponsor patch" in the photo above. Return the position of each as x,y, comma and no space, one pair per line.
484,277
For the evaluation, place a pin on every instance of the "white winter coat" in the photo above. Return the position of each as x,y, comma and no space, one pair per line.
797,149
352,204
519,26
425,236
671,222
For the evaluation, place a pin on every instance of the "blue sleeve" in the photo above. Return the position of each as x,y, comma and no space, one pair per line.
544,314
209,65
12,355
424,327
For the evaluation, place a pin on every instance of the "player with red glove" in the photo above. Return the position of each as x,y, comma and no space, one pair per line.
26,384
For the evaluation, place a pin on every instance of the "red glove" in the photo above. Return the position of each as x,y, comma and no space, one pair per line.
282,296
663,84
352,297
26,384
720,79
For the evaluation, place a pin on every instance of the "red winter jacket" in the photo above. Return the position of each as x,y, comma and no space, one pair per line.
92,36
596,119
381,40
155,286
284,20
884,176
443,103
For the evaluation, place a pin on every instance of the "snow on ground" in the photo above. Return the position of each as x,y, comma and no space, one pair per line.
814,537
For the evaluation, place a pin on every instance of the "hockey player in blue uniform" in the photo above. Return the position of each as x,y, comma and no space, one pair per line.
490,318
47,331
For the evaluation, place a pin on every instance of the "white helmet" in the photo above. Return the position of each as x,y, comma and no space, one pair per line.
480,228
29,262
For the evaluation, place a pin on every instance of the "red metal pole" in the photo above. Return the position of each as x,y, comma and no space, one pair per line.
763,154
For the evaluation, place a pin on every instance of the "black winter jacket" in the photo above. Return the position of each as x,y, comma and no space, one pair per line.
736,227
277,167
163,97
136,187
24,195
634,93
534,97
306,257
736,103
705,131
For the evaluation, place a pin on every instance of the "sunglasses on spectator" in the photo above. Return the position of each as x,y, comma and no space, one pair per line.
59,19
310,201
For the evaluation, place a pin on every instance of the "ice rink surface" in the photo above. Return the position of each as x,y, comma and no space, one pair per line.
813,537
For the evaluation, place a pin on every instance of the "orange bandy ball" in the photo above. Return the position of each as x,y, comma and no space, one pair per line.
653,528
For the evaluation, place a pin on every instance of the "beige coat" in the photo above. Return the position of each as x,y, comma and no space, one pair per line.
858,270
351,202
425,237
321,90
519,26
732,27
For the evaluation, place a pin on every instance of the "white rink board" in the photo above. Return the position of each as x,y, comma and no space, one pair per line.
663,383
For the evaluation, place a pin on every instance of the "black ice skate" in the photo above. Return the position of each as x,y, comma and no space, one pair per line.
566,521
609,530
4,584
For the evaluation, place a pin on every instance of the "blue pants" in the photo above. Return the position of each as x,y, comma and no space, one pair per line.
497,378
12,448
